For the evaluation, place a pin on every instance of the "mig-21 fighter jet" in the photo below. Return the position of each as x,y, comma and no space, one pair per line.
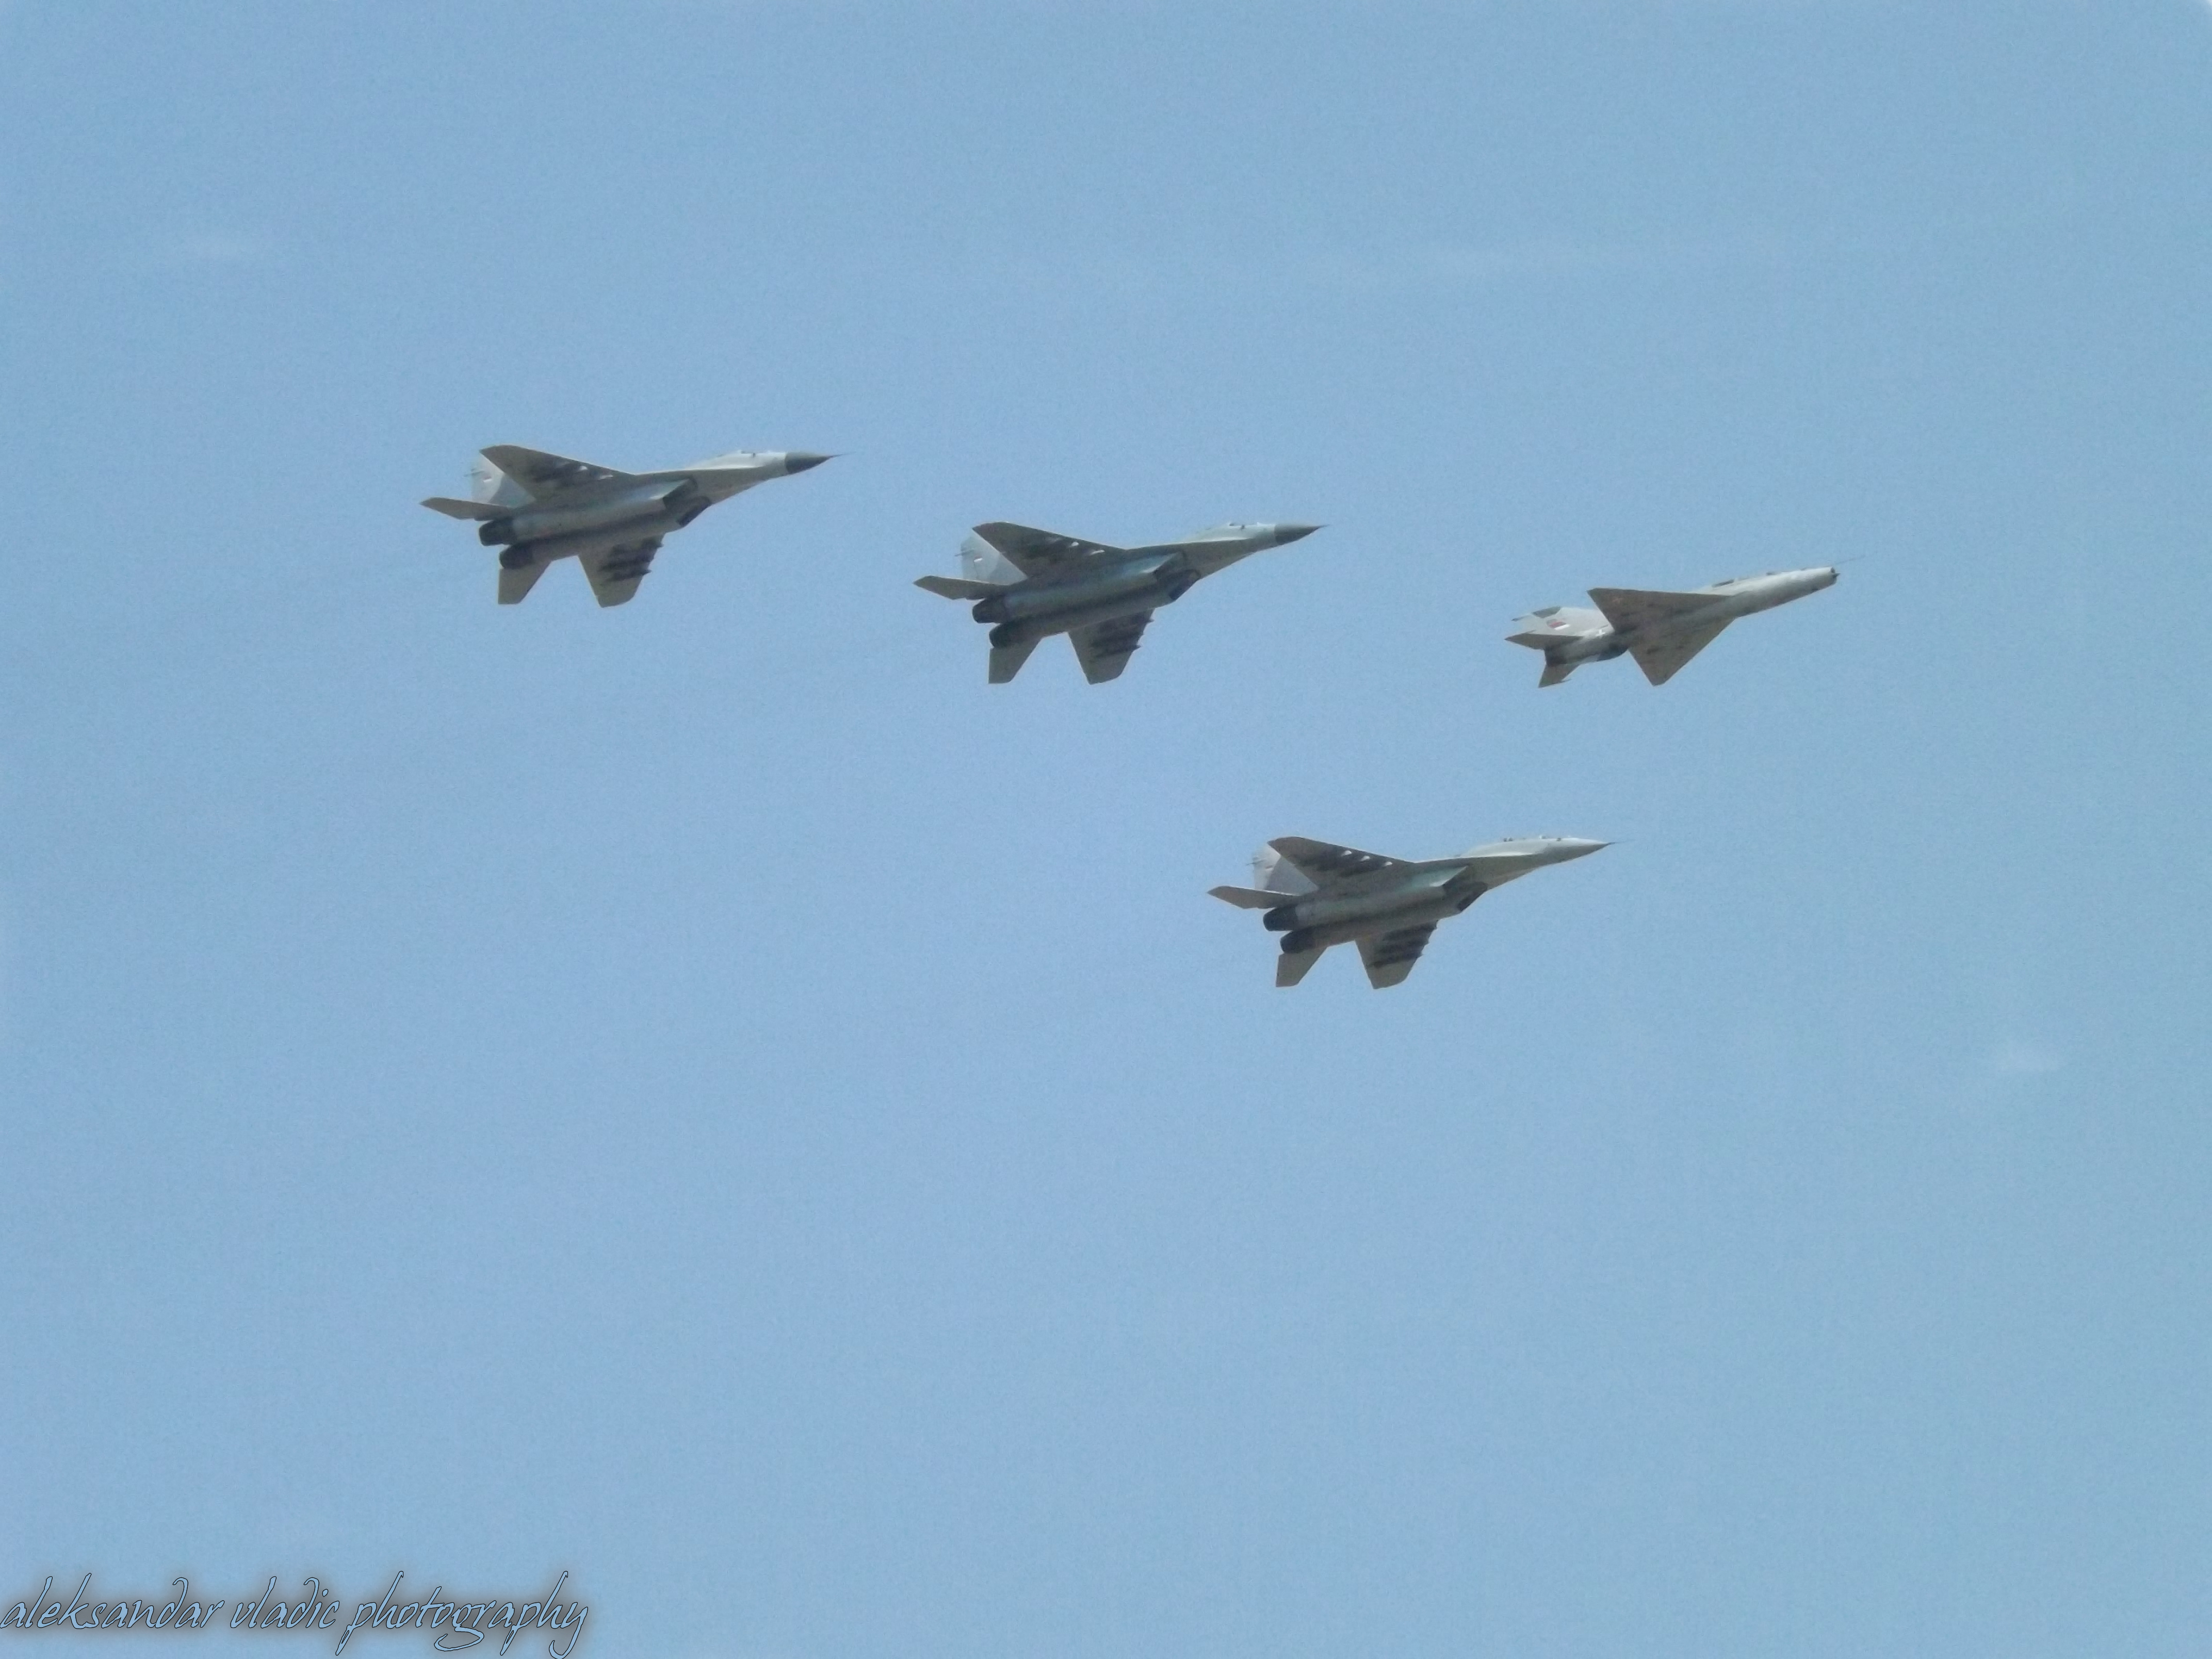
537,507
1029,584
1316,895
1662,631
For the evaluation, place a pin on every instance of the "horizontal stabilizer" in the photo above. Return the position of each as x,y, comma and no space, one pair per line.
1539,630
1291,966
1250,898
1006,660
515,584
453,509
952,588
1555,672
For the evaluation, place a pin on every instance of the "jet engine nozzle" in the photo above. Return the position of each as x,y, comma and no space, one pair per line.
516,558
1281,919
1298,940
495,532
993,610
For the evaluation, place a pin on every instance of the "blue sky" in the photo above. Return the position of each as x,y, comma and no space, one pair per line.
715,1097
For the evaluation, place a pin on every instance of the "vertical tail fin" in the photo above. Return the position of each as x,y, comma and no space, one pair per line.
489,484
979,561
1277,874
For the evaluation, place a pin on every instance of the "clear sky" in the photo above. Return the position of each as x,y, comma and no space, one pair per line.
713,1097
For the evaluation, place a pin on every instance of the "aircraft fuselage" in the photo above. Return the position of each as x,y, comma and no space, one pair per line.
1354,907
1399,899
1743,595
1099,591
650,508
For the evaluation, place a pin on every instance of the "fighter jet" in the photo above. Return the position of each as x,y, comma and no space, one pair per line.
537,507
1032,583
1662,631
1316,895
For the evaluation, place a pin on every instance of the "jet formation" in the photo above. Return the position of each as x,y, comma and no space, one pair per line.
1660,631
1029,584
1316,895
537,507
1026,585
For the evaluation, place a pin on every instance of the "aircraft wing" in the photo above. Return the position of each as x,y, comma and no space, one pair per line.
1039,552
1630,608
955,587
1390,956
1669,651
1104,648
1323,861
617,571
544,475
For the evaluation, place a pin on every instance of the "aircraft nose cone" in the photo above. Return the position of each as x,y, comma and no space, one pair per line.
799,460
1291,532
1573,847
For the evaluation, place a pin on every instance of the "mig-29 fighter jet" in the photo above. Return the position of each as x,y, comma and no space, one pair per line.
537,507
1662,631
1316,895
1032,583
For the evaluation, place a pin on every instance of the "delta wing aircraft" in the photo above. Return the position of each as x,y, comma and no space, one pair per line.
1662,631
1030,584
1316,895
537,507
